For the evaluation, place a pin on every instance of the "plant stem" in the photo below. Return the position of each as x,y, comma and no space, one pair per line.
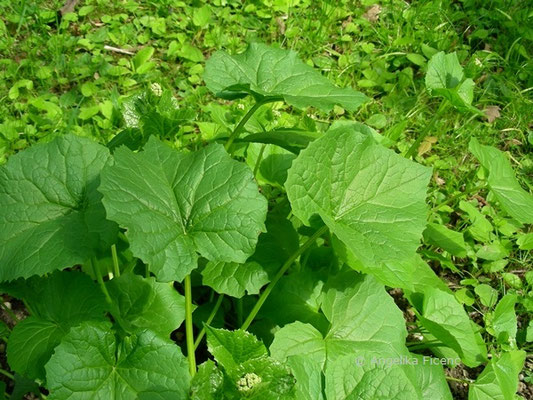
5,373
93,264
414,147
188,326
280,273
259,158
451,378
115,260
240,126
209,320
426,345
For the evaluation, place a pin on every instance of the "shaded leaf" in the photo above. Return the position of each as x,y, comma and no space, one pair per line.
448,240
290,139
58,302
235,279
142,303
297,297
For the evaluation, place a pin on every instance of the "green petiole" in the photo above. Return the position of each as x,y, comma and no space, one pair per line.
280,273
188,326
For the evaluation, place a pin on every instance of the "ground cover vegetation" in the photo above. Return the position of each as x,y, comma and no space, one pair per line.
281,199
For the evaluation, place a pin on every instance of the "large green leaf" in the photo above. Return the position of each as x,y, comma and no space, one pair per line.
269,72
445,318
58,302
363,318
502,182
142,303
31,345
91,363
350,303
235,279
364,346
372,199
50,211
175,205
411,274
499,379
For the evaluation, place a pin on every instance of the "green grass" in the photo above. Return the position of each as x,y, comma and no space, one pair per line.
57,77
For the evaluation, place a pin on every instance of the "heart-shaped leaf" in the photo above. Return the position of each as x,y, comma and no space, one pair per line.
50,211
175,205
371,198
90,359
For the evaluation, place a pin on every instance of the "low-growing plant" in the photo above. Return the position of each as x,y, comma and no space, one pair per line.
120,252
